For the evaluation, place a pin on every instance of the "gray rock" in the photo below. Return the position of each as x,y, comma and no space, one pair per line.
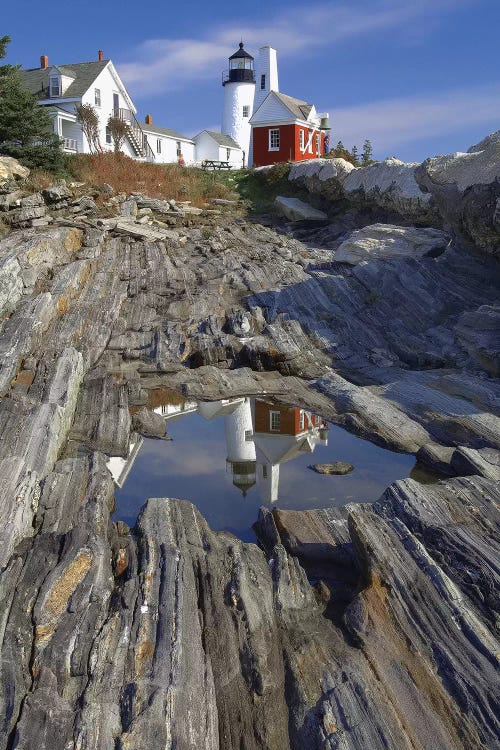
297,210
146,422
466,188
380,241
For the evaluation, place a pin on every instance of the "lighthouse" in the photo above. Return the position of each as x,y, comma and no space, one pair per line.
239,90
240,447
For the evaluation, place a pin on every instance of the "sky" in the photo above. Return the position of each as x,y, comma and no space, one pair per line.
416,77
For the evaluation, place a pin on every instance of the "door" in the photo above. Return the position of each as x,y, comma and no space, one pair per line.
116,105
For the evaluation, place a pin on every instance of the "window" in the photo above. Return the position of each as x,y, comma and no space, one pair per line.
274,139
55,86
264,471
310,140
158,145
97,97
263,81
228,154
108,135
275,421
301,140
318,144
248,436
301,420
246,110
178,148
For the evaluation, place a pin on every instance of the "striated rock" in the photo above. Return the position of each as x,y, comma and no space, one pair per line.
381,241
296,210
11,284
479,332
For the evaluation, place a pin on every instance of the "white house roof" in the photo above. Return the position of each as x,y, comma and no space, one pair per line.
168,132
220,138
281,106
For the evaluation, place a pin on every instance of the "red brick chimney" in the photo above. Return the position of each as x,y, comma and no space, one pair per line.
44,61
148,120
99,55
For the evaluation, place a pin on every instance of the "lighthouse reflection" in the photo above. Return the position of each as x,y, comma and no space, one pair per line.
260,436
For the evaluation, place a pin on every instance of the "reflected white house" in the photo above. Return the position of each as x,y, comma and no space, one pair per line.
119,467
282,433
260,436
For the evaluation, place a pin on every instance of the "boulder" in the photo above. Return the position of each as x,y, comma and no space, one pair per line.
297,210
11,169
466,189
146,422
391,184
381,241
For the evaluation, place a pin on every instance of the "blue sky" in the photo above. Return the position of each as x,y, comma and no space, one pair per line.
417,77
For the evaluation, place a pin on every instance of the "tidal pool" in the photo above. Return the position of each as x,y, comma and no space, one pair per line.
230,457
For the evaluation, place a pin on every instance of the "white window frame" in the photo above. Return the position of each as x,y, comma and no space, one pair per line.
274,137
318,144
310,135
109,138
302,420
52,88
158,145
178,148
246,110
263,82
228,154
97,97
274,421
302,140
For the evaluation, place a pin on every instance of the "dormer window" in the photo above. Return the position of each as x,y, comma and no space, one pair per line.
55,86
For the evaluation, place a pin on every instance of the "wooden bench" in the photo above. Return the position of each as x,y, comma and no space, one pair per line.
214,164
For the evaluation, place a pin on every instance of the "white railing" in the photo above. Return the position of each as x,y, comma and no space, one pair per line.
70,144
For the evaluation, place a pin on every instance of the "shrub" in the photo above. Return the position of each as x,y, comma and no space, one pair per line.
166,181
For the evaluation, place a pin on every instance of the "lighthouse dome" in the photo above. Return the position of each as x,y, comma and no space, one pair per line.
240,67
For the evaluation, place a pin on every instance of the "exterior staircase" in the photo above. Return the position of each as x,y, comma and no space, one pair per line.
136,136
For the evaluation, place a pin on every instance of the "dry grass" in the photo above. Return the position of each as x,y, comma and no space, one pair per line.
165,181
38,180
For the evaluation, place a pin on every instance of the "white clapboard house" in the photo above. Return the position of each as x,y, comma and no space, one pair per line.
61,88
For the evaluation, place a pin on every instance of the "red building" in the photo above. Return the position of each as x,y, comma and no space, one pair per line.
287,129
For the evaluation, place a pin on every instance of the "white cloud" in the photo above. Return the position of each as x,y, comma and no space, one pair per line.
393,122
169,64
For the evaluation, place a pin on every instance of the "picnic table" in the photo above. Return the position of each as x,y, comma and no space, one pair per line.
214,164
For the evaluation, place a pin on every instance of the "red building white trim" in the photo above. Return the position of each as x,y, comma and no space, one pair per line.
286,129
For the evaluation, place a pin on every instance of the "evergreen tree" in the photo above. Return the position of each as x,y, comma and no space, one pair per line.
340,146
367,154
354,154
26,129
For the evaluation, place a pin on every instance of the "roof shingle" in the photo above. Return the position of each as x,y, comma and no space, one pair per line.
84,74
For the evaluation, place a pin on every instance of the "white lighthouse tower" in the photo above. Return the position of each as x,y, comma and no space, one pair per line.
240,446
239,89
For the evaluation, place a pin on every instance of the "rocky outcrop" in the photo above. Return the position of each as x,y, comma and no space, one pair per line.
389,185
458,192
342,619
466,189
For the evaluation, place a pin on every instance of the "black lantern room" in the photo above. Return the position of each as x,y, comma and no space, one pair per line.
240,67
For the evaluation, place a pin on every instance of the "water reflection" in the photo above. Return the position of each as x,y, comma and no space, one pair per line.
231,456
260,436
